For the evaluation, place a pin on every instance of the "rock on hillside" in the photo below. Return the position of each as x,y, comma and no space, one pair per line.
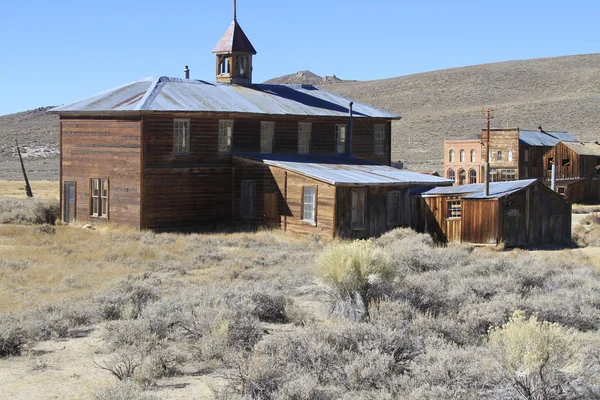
304,78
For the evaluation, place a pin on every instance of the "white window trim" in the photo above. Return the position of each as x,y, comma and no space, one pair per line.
453,211
225,135
184,146
267,136
312,221
340,140
451,155
103,209
304,128
379,142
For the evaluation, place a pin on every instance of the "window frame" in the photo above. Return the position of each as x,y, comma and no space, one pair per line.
358,225
267,128
101,200
393,212
462,155
451,155
340,140
379,139
473,154
454,209
312,221
472,176
245,213
510,155
452,172
462,176
225,136
499,155
181,147
304,128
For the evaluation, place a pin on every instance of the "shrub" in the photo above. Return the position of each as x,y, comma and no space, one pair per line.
123,391
55,320
128,299
123,363
12,336
357,271
540,358
269,307
28,211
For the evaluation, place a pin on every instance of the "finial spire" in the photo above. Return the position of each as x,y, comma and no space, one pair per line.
234,10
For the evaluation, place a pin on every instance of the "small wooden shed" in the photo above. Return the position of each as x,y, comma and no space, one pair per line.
517,213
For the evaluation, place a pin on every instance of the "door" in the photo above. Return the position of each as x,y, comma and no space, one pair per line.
69,210
271,214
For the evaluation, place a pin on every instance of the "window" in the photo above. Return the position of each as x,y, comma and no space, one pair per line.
454,209
472,176
181,136
225,135
304,137
247,198
510,154
393,213
462,156
489,156
266,136
242,64
451,155
526,155
493,175
358,208
508,175
550,163
224,66
340,139
566,162
473,155
451,174
379,138
99,197
499,157
462,177
309,196
561,189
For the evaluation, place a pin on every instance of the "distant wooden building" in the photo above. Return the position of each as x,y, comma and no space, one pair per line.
169,153
517,213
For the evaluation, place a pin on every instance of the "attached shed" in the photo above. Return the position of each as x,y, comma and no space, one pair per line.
517,213
333,196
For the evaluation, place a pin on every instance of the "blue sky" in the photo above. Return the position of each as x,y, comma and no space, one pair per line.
57,52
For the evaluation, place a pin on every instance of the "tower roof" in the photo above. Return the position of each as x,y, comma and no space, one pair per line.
234,41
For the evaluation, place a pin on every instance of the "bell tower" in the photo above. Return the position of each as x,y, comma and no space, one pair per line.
234,55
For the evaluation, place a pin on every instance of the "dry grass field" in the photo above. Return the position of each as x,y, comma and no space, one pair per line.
40,189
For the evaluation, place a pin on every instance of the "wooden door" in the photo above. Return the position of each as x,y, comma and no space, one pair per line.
453,229
69,204
271,211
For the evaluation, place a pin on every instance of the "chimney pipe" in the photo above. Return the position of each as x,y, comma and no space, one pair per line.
553,181
350,131
186,71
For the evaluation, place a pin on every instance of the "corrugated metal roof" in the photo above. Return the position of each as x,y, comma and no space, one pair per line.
344,170
549,139
584,148
187,95
234,40
475,190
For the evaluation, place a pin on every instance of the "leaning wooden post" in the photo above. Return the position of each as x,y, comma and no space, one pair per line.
27,186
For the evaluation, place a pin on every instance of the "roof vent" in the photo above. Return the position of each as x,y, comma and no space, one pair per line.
186,71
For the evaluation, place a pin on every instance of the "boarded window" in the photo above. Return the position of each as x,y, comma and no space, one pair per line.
451,155
267,130
99,197
358,208
340,139
472,176
393,212
309,197
304,129
181,136
247,198
454,209
472,155
379,138
225,135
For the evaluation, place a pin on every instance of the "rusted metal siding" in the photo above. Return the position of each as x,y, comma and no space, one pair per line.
107,149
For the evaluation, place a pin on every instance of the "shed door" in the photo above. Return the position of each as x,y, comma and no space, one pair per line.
69,204
454,229
271,214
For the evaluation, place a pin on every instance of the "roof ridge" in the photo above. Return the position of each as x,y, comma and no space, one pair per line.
151,92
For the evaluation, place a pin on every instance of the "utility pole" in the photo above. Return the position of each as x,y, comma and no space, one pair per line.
27,186
486,166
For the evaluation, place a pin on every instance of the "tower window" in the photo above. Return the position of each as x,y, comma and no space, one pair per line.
224,65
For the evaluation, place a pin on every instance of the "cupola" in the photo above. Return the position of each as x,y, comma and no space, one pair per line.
234,55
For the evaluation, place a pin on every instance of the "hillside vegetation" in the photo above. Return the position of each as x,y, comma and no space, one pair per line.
561,93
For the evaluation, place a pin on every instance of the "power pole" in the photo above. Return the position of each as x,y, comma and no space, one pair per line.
27,186
486,166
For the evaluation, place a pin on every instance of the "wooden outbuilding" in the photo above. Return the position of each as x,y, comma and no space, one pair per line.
517,213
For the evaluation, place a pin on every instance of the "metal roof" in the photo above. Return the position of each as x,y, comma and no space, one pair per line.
475,190
584,148
543,138
234,40
187,95
344,170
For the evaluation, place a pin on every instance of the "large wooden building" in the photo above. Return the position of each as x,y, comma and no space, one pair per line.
169,153
517,213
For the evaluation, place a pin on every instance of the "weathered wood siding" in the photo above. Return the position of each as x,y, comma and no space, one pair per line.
480,221
535,166
107,149
288,190
376,209
585,190
436,217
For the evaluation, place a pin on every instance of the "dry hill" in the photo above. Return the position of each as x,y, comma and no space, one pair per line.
561,93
